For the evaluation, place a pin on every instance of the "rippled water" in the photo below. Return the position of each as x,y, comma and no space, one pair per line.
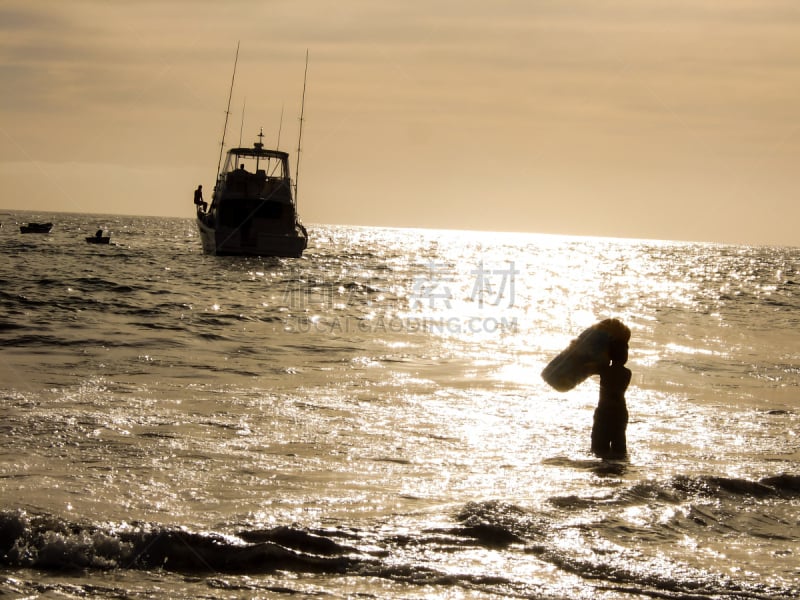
370,419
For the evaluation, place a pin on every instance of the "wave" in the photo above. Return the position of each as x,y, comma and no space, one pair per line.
779,485
48,543
680,487
47,343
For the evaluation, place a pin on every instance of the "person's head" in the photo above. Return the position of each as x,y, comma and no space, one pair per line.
619,335
199,187
618,352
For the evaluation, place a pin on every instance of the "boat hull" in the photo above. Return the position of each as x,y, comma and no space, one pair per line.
97,240
36,228
235,242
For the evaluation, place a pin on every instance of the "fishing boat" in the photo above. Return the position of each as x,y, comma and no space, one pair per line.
36,228
253,209
98,238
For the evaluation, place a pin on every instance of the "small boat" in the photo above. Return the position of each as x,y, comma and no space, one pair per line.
98,238
36,228
93,239
253,211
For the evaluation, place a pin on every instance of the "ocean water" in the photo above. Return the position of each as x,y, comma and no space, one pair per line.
369,421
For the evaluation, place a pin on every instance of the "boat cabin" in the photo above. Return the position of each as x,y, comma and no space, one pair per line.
254,188
255,172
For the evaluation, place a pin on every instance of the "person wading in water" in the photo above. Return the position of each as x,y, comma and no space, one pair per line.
611,414
602,349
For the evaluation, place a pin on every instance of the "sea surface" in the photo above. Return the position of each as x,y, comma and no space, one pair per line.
369,421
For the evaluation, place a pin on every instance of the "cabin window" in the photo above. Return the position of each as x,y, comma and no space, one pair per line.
270,210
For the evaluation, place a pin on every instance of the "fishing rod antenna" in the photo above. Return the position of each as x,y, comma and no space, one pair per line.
241,126
300,136
227,114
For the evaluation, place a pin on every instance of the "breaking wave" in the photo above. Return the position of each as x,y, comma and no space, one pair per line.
49,543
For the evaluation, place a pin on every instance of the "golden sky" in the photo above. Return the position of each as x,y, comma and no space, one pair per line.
631,118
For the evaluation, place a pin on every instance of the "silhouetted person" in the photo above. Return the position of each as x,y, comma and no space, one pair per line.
611,414
99,233
198,198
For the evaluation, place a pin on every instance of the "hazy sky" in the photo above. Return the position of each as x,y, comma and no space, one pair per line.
635,118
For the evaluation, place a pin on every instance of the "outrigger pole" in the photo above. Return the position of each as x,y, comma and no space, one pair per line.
227,114
241,126
280,127
300,137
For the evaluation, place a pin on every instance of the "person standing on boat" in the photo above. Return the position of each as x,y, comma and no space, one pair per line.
198,198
